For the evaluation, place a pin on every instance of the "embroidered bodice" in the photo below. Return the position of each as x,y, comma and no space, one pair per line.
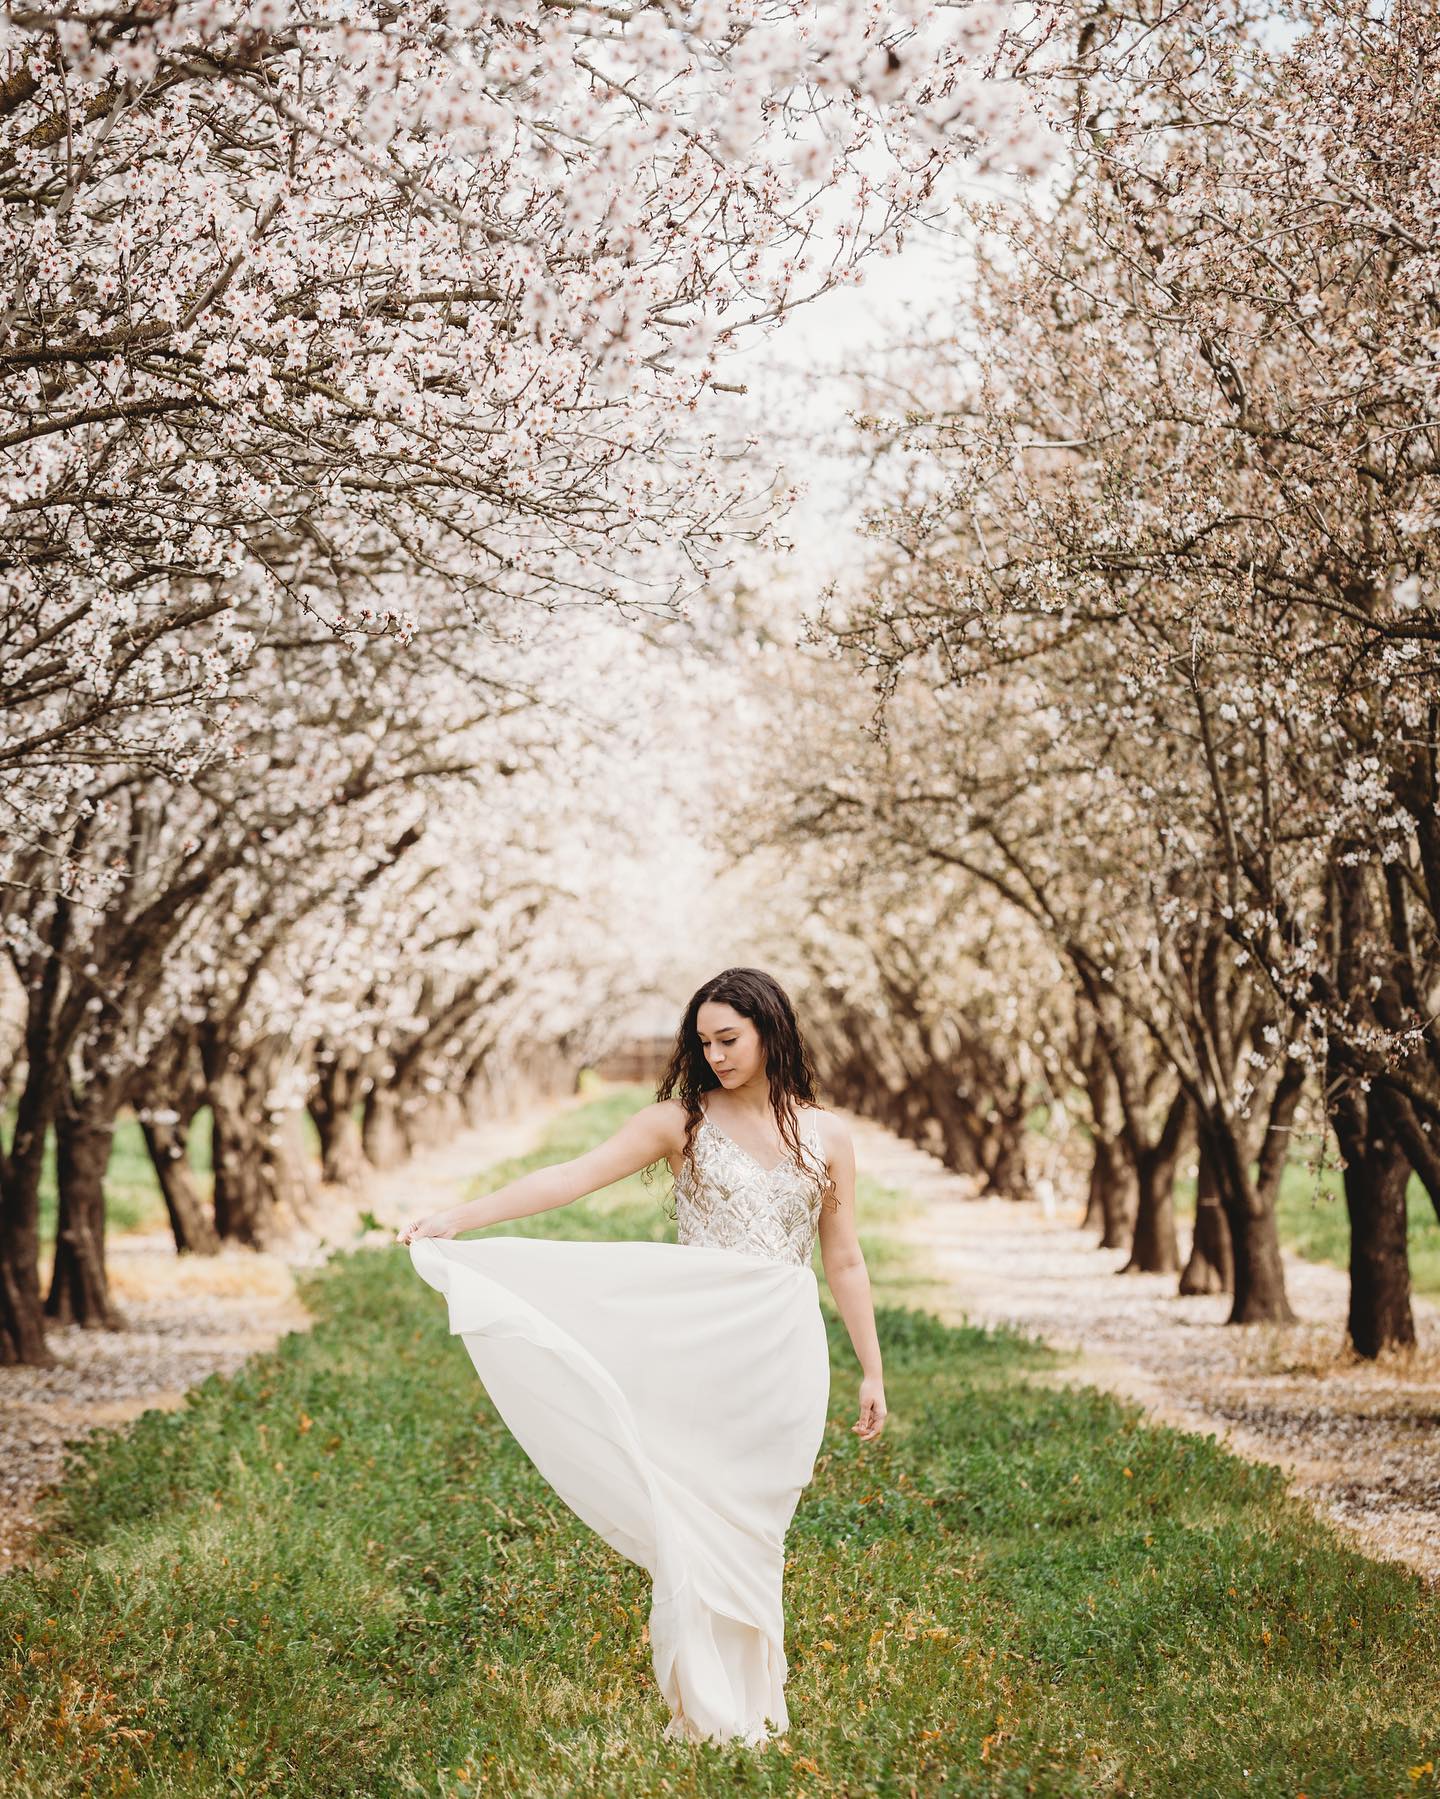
731,1202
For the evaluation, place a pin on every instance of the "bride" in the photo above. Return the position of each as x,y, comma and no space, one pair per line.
674,1394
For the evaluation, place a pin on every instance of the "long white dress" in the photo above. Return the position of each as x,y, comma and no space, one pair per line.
674,1395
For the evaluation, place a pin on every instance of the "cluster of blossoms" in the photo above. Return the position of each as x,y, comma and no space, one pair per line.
1153,606
353,352
312,308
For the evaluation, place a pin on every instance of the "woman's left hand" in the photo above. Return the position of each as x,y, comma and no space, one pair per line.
872,1409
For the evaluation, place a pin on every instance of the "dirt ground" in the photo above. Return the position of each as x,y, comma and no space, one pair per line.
1359,1439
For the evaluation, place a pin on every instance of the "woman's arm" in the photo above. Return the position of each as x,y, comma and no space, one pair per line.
848,1279
645,1137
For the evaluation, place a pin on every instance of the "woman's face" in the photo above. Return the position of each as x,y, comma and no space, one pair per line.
731,1045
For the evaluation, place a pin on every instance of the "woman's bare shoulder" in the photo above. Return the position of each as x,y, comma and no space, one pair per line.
832,1128
672,1115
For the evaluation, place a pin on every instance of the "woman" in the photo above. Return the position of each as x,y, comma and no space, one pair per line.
674,1394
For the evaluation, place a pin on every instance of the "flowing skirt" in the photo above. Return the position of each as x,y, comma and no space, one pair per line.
674,1396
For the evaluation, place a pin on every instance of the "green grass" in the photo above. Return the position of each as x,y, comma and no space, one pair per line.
337,1574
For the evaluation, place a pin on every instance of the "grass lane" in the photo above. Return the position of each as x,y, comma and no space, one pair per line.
335,1573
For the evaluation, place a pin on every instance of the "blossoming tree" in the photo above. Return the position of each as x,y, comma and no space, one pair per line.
1180,487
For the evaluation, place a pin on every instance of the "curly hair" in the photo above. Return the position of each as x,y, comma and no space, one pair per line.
760,998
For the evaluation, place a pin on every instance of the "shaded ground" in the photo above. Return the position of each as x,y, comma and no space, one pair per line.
192,1316
1360,1439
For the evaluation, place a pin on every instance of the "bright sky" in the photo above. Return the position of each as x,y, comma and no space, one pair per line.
796,374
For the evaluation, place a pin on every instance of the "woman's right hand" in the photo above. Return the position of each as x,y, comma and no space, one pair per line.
438,1224
872,1409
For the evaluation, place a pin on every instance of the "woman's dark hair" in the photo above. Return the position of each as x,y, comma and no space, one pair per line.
760,998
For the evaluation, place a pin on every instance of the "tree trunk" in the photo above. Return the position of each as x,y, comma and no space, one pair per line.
1006,1163
1423,1152
1258,1272
255,1169
383,1141
1377,1174
1211,1267
1094,1219
1371,1127
1112,1199
287,1166
433,1122
334,1101
478,1102
942,1120
1154,1248
244,1209
165,1138
84,1131
22,1313
342,1150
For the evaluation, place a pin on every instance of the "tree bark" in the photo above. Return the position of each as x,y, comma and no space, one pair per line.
383,1139
194,1231
49,1031
79,1288
261,1168
1112,1199
433,1121
1154,1248
342,1150
936,1121
1258,1275
1006,1169
334,1101
22,1312
1377,1175
1370,1126
1211,1267
1419,1146
287,1165
1111,1204
1259,1271
244,1210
